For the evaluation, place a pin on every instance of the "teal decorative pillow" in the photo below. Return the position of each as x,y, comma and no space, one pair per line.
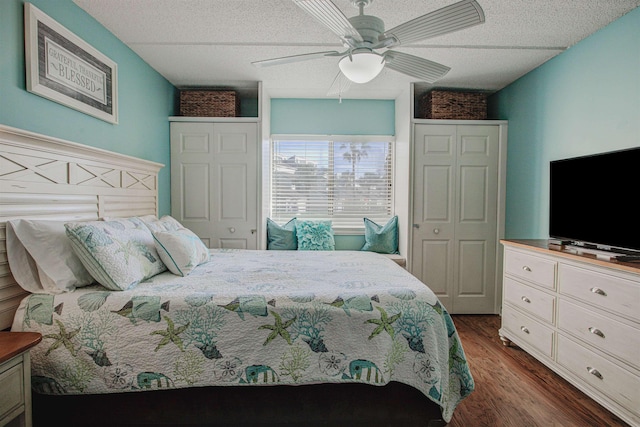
281,237
381,239
315,236
118,253
181,250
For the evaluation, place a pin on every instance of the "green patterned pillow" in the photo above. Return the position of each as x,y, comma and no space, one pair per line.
381,239
281,237
315,236
117,253
181,250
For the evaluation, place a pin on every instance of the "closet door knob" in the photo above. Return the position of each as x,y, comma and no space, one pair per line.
232,230
436,231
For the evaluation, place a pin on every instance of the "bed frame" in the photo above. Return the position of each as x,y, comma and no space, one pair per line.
48,178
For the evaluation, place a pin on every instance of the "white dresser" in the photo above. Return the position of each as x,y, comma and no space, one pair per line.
578,315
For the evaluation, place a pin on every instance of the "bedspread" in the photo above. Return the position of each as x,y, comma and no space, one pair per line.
253,318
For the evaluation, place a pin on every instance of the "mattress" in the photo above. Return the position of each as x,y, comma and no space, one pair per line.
251,318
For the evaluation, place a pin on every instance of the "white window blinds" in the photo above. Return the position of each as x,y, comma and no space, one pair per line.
340,178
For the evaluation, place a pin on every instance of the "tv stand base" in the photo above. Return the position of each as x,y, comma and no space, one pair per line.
627,258
600,254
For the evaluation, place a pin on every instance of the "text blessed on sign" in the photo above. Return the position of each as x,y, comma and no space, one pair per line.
68,69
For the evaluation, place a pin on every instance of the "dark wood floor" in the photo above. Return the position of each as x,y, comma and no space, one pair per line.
514,389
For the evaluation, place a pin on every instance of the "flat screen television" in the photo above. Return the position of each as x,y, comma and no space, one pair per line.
595,199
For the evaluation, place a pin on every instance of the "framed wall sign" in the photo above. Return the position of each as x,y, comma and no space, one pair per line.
63,68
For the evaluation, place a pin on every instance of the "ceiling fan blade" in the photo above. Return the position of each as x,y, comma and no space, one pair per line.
294,58
328,14
423,69
458,16
340,85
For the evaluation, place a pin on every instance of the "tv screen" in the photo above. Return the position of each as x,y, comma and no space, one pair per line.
594,200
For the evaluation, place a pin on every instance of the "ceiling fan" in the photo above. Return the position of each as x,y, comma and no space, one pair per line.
363,35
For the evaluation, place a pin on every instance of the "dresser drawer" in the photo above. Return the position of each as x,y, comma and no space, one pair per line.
528,330
607,335
535,269
608,378
12,386
529,299
612,293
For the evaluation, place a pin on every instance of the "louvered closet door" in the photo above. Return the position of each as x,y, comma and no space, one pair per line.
455,207
214,182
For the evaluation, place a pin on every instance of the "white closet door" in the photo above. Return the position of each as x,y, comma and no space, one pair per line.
455,214
434,184
214,182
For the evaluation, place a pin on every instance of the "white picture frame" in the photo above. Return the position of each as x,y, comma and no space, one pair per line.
62,67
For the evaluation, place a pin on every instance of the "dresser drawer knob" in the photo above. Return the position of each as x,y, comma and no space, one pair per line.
594,372
525,299
598,291
596,331
526,268
524,329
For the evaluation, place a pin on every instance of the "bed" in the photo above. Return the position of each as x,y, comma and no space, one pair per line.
241,338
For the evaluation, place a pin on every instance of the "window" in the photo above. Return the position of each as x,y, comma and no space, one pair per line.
342,178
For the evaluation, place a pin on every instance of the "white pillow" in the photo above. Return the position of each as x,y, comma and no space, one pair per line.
41,257
166,223
118,253
180,250
144,218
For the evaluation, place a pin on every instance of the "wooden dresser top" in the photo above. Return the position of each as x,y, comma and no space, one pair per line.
542,245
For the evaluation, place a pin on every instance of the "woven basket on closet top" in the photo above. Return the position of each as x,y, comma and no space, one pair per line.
440,104
209,103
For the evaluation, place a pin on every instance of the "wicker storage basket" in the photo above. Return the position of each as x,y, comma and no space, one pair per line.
209,103
440,104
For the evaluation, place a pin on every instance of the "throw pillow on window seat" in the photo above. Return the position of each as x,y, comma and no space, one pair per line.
281,237
382,239
315,235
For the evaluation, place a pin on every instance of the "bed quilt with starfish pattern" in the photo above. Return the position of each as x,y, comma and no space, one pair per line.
252,318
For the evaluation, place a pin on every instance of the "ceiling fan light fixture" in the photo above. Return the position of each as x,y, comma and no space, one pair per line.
361,67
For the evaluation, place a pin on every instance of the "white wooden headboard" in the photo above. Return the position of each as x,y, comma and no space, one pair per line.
49,178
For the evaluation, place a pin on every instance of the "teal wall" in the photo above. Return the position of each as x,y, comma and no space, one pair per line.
330,117
584,101
145,98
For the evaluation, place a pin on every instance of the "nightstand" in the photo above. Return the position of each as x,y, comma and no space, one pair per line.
15,377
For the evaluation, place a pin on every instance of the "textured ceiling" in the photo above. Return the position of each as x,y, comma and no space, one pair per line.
213,42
